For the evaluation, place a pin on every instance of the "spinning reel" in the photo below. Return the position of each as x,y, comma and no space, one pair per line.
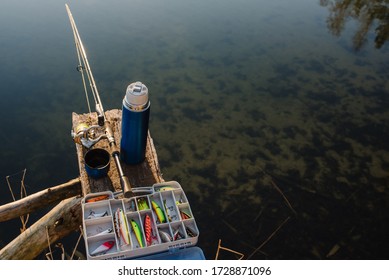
89,135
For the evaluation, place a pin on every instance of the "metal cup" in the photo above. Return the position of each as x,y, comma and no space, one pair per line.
97,162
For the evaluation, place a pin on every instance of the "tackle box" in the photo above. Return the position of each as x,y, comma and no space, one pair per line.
173,226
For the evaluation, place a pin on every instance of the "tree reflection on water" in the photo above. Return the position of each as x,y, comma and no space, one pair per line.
369,13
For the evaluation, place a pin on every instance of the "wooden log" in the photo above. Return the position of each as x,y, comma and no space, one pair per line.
63,219
40,199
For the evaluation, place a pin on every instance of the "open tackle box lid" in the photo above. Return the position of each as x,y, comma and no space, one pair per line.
158,219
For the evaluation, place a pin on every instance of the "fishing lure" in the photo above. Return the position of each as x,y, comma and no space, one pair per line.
103,248
142,204
167,210
180,200
177,235
166,188
108,230
190,232
158,211
93,214
121,227
132,206
165,237
148,229
138,233
97,198
185,215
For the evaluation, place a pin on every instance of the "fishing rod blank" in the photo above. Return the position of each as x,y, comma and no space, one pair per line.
102,121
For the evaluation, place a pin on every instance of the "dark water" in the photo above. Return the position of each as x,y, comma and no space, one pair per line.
255,104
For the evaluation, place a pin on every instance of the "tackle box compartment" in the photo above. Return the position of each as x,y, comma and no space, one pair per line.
172,225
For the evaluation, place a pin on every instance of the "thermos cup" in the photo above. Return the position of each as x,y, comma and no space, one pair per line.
97,162
135,123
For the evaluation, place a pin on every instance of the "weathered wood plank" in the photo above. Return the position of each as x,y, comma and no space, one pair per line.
63,219
143,174
40,199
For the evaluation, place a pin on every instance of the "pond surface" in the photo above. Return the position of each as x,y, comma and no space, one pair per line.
272,115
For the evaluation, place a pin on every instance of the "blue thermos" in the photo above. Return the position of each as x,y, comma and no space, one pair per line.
135,123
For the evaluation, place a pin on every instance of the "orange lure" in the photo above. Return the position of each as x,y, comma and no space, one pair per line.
148,229
97,198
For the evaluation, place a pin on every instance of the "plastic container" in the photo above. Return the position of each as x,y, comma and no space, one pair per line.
191,253
172,227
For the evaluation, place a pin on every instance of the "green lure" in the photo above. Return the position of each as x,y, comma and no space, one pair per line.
159,212
166,188
142,204
138,233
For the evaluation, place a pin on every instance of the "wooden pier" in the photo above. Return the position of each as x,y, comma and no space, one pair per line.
144,174
66,216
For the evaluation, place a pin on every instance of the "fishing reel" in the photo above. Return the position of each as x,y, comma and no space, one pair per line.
89,135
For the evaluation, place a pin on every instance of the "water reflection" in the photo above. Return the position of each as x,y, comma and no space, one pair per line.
369,13
243,93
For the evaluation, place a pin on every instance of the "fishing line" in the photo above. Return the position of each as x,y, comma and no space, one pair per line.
81,53
91,83
80,68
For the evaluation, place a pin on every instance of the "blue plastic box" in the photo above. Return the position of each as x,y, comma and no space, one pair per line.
191,253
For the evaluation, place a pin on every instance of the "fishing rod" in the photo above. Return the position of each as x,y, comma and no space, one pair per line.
84,134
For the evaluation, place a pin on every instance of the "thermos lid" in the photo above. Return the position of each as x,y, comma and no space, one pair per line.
137,96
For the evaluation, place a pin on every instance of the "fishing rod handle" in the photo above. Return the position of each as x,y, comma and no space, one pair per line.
124,182
126,186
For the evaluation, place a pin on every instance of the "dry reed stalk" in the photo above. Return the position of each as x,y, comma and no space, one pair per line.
267,240
49,255
219,247
78,241
230,226
259,214
23,193
278,190
284,197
